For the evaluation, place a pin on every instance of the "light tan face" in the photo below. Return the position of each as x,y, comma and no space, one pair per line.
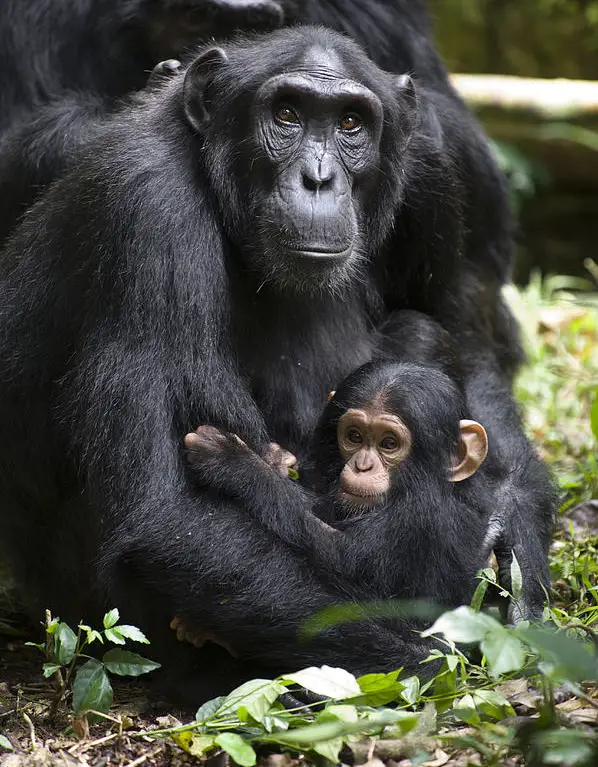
372,443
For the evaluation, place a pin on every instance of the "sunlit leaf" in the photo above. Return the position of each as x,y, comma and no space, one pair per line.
254,698
516,577
114,635
209,708
503,651
132,633
65,644
463,625
234,745
49,669
111,618
335,683
379,689
5,743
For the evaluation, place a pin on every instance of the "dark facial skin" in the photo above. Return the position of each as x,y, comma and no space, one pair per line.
320,135
374,444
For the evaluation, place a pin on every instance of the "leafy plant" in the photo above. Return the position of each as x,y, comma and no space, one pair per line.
87,684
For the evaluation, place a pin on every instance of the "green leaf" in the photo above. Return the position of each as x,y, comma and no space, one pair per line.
379,689
253,698
463,625
516,577
111,618
239,750
492,704
40,645
567,748
316,733
341,713
411,689
126,663
445,685
209,708
5,743
594,416
91,688
293,474
132,633
199,744
49,669
65,643
504,652
335,683
114,636
329,749
465,709
478,596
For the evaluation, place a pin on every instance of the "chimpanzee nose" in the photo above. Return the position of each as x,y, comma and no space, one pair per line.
364,462
318,175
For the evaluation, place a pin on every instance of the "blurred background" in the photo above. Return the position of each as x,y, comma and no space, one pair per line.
546,134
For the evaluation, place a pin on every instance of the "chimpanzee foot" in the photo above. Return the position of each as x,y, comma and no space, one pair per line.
196,637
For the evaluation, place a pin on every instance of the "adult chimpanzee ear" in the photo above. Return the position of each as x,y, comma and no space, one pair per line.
196,81
473,448
408,98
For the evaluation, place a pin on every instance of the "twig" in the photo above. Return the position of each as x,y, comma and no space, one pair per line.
81,747
31,731
142,758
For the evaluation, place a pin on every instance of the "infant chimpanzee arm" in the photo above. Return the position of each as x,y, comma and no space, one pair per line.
287,509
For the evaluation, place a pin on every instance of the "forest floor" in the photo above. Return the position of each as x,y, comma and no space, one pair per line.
473,714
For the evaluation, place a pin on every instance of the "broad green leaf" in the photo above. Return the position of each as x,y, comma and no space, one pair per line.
503,651
489,574
411,689
209,708
126,663
465,710
114,636
91,688
516,577
329,749
492,704
341,713
65,643
478,596
335,683
463,625
445,687
49,669
254,698
111,618
379,689
240,751
594,416
5,743
132,633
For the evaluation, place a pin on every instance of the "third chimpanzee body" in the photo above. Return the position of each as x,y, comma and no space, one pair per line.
225,253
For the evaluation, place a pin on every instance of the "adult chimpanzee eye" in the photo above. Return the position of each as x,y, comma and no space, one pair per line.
354,436
350,123
389,443
286,115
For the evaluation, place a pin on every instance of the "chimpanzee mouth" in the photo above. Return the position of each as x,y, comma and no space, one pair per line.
362,499
322,255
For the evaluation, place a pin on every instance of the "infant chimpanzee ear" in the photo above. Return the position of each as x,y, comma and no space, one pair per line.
472,450
197,79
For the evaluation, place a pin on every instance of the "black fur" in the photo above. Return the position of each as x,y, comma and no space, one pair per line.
130,313
425,541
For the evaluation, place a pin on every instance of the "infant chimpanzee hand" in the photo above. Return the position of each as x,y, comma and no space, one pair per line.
208,441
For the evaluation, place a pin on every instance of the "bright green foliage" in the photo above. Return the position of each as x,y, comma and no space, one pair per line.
91,689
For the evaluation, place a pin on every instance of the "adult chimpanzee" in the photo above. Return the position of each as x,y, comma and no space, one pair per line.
223,254
392,451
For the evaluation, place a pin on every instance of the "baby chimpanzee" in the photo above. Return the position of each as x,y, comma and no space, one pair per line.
397,508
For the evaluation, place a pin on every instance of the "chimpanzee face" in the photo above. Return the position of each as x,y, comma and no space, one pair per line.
320,135
304,158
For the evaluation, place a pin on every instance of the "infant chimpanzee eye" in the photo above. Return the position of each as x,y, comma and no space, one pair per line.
354,435
389,443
